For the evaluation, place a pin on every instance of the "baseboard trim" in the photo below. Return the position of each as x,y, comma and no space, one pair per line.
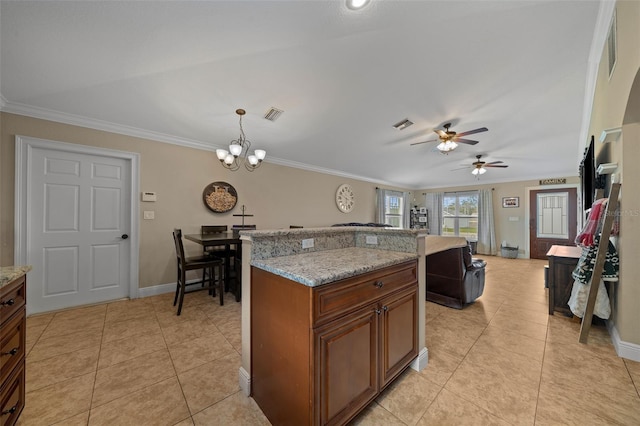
155,290
624,349
245,381
421,361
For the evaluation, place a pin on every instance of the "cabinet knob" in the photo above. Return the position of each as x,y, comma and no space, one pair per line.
8,302
377,311
385,308
10,353
10,410
378,284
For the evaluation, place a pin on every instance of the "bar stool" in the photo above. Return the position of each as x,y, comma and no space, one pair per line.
206,263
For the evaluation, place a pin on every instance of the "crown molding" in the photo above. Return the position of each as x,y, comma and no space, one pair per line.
77,120
605,13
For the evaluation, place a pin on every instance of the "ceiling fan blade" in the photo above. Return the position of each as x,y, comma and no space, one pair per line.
440,133
467,141
471,132
495,165
418,143
495,162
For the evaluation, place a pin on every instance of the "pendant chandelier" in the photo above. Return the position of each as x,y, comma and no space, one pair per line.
239,152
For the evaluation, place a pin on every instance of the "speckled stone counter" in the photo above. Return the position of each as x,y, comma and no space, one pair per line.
11,273
286,242
322,267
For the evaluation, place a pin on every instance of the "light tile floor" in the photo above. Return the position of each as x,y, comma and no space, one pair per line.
500,361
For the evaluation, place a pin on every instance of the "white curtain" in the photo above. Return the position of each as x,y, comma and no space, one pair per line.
433,202
486,228
406,208
379,214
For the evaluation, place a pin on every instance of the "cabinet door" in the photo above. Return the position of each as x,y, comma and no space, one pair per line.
399,334
346,360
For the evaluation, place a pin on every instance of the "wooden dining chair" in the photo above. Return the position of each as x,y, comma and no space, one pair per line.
221,252
208,264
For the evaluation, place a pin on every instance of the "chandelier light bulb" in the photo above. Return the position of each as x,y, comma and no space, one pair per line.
229,159
235,149
222,154
260,154
253,160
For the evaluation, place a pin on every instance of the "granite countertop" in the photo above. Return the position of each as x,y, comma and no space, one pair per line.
11,273
322,267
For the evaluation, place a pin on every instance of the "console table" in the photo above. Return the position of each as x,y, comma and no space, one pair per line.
562,262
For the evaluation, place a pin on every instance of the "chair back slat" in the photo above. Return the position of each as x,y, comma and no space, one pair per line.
244,227
213,229
177,239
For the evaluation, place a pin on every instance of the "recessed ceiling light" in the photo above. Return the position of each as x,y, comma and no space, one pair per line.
357,4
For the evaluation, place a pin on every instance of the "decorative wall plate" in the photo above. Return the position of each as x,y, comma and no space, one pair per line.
345,198
219,197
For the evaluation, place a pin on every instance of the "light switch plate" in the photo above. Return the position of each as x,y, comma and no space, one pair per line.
514,218
149,214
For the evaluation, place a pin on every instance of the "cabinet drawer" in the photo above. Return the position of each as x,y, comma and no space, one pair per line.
12,397
12,298
335,299
12,343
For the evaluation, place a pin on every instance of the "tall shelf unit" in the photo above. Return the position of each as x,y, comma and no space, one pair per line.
419,218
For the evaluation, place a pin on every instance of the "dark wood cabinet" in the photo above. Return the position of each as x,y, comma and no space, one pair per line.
319,355
12,350
562,262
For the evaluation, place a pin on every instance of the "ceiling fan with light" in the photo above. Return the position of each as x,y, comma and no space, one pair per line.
480,167
449,139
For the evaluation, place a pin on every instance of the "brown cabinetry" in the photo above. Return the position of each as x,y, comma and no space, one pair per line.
12,350
562,262
321,354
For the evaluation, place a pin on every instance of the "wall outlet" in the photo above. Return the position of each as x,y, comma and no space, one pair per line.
371,239
149,214
514,218
308,243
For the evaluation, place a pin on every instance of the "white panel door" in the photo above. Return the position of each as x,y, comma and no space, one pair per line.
78,224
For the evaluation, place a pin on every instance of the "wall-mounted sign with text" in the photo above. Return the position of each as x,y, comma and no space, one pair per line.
557,181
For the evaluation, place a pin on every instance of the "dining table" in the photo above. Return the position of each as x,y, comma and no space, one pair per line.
226,239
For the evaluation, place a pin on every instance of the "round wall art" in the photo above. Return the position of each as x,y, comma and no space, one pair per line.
219,197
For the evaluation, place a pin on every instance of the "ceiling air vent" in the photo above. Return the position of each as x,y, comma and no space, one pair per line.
403,124
273,114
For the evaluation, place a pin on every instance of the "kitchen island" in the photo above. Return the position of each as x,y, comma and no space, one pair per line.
329,326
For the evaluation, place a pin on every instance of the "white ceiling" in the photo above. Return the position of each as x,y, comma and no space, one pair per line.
176,71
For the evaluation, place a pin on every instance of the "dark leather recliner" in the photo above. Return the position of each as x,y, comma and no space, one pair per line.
454,278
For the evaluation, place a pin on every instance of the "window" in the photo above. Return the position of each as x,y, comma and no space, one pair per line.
393,208
460,214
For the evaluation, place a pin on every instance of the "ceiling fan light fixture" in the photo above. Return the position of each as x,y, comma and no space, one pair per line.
478,171
447,146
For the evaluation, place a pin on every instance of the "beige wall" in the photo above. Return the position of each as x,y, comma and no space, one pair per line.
610,103
277,196
514,232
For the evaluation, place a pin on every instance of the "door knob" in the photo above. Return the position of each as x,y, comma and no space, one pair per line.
125,236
